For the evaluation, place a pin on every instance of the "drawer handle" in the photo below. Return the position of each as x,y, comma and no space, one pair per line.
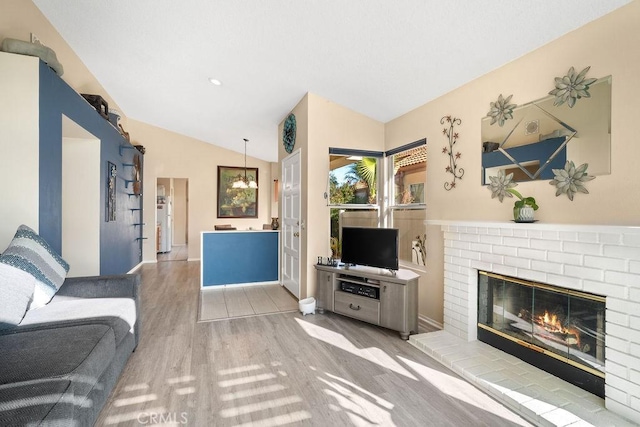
353,308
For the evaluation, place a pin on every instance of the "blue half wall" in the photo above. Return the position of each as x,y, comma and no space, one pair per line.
235,257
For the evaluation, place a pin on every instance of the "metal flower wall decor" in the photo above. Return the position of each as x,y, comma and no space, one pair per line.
500,185
572,87
452,136
571,179
501,111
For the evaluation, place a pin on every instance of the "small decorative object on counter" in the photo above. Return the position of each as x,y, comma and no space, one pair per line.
329,261
46,54
275,223
419,248
97,102
114,117
501,186
523,208
124,133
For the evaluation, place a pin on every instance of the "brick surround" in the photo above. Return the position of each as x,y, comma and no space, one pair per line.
603,260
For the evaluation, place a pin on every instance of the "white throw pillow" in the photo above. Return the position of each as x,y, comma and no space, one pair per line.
16,291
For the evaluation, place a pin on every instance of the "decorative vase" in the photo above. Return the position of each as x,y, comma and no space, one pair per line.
275,224
523,214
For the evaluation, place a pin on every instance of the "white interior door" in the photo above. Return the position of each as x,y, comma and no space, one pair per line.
291,223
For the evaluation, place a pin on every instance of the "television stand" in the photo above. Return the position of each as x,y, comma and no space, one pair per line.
390,271
373,295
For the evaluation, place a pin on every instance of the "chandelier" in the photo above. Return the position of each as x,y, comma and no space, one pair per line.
242,182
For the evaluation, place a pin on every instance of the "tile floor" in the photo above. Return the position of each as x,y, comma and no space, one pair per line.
533,393
241,301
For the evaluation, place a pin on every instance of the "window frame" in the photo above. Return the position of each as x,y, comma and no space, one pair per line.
379,156
390,207
385,189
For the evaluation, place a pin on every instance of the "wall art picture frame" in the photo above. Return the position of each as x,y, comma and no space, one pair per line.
112,173
236,202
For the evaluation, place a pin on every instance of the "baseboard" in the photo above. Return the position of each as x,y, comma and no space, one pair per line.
427,324
241,285
193,259
135,268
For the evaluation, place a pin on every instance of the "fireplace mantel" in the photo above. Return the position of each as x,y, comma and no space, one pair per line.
600,259
598,228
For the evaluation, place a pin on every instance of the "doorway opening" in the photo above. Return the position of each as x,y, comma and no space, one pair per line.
172,219
81,212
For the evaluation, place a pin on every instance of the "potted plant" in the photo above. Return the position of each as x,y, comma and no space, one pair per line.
524,207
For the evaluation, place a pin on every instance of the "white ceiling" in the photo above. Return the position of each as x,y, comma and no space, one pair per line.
378,57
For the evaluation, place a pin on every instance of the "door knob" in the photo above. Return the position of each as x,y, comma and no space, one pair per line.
296,234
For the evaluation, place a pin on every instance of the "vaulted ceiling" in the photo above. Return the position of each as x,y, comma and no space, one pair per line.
377,57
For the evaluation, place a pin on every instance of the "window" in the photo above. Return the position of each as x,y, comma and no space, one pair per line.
353,180
354,196
408,169
353,190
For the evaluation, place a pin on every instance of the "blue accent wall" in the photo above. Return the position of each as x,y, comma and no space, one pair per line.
120,243
539,151
230,257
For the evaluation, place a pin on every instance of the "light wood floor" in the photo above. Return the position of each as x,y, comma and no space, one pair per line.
281,369
223,303
177,253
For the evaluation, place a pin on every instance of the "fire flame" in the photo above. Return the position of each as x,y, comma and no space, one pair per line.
551,323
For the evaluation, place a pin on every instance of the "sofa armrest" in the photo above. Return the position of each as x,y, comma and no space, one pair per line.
116,286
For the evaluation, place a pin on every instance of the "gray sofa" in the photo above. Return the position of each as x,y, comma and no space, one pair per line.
58,366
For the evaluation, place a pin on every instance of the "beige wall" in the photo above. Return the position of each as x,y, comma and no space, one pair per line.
180,211
322,124
20,18
169,154
81,212
19,145
610,46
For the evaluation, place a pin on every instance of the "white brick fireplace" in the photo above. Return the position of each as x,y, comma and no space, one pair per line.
603,260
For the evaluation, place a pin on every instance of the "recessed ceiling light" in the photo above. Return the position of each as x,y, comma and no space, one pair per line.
215,81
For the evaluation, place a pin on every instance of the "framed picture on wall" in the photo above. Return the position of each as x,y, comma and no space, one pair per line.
112,172
237,201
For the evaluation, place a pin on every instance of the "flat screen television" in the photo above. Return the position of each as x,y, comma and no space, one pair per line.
374,247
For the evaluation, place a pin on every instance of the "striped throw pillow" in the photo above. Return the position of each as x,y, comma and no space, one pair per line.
31,253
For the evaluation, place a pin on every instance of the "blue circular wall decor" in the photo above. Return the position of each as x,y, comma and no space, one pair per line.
289,133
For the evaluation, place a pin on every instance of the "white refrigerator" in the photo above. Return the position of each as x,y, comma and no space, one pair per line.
164,222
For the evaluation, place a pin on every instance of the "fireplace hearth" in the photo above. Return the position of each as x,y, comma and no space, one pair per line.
598,259
558,330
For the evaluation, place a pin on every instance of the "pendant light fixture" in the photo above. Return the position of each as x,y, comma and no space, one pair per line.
243,182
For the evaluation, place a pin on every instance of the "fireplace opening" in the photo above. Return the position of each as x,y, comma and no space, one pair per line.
558,330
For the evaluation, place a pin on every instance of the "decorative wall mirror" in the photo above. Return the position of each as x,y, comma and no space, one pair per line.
542,137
